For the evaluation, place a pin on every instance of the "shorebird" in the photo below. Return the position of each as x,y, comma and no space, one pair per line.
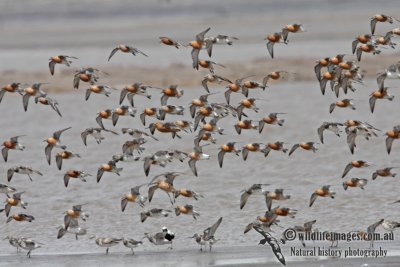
213,78
392,72
355,182
14,201
272,119
150,112
197,45
253,147
255,189
166,127
293,28
327,76
13,144
29,244
60,59
208,64
134,196
248,103
131,90
317,68
218,40
75,174
188,210
391,136
45,100
89,75
208,236
210,127
62,155
363,38
154,213
367,48
11,88
264,222
303,230
187,193
322,192
204,137
196,155
161,238
13,241
161,158
379,94
6,189
122,111
171,91
245,125
167,184
389,225
131,243
274,195
272,39
284,211
251,85
355,164
104,114
33,90
330,126
227,148
380,18
200,102
21,170
54,141
310,146
131,145
73,228
106,242
273,242
234,87
95,132
126,49
108,167
345,103
275,75
277,146
385,172
369,235
170,109
20,217
98,89
72,216
135,133
169,41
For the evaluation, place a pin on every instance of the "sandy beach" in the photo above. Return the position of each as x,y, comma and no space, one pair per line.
32,32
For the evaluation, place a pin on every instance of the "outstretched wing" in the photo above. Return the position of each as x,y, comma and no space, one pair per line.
273,242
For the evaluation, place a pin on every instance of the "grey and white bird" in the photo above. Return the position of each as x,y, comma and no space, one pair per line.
208,236
6,189
330,126
95,132
131,243
106,242
29,244
22,170
154,213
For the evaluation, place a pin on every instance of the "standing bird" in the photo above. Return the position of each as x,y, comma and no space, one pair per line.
29,245
107,242
208,236
131,243
322,192
54,141
126,49
61,59
13,144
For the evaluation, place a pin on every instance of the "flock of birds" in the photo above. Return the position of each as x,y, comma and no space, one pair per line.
340,73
